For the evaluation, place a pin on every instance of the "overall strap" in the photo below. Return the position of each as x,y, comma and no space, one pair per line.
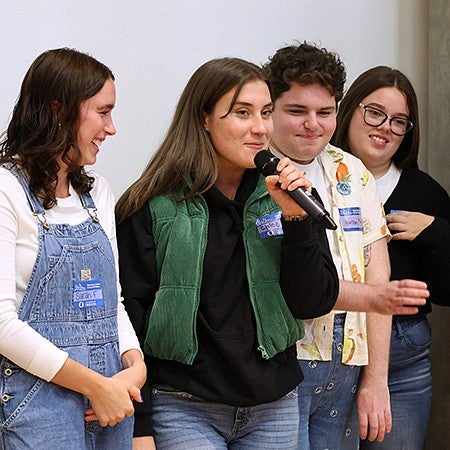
89,205
35,205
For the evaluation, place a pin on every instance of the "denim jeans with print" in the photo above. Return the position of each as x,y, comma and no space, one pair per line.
328,414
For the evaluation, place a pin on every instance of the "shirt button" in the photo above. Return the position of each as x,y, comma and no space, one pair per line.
333,413
8,372
317,390
312,364
330,386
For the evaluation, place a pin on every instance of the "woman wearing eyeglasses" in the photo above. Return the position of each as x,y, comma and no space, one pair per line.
378,122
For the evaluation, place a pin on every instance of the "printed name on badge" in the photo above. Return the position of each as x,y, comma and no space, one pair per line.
270,225
351,219
87,294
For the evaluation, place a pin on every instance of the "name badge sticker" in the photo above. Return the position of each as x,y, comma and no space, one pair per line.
270,225
351,219
87,294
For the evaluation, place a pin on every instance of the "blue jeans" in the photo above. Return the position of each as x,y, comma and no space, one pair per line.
183,421
42,416
328,414
409,385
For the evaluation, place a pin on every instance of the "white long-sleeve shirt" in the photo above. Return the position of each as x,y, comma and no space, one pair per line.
18,250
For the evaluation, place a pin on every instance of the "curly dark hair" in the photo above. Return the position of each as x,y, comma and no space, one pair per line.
45,120
305,64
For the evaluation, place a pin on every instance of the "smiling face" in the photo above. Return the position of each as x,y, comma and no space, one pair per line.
376,146
304,119
96,122
240,133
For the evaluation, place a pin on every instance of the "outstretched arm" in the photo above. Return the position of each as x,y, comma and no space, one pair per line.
391,298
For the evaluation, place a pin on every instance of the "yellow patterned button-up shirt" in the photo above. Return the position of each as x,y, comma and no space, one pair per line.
358,212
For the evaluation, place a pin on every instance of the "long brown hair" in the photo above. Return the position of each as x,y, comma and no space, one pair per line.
45,120
368,82
186,159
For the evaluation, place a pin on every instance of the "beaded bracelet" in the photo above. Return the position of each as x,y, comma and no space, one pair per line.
295,218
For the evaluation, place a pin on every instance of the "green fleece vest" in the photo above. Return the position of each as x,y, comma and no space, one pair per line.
180,232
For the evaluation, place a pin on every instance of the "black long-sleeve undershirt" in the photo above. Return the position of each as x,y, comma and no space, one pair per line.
427,257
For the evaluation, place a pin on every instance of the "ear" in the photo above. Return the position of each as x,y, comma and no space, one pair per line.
205,121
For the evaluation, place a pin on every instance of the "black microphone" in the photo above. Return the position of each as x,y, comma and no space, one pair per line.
267,163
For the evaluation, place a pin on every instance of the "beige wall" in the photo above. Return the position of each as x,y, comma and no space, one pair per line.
154,46
438,158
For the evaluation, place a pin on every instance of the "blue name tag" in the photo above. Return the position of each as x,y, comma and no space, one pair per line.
351,218
270,225
87,294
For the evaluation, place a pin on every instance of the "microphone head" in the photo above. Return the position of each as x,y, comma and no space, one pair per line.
266,162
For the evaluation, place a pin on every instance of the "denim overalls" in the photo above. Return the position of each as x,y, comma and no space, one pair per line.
71,300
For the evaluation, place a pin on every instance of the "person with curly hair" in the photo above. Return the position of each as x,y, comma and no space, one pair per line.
70,360
306,84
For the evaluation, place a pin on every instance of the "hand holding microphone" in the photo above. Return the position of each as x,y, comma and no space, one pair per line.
267,163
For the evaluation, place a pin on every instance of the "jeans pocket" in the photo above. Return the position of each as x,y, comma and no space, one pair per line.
416,335
19,390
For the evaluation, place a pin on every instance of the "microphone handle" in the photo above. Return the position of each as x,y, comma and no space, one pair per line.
312,206
267,162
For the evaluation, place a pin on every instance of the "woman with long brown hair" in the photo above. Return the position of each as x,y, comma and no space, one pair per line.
378,121
217,265
70,360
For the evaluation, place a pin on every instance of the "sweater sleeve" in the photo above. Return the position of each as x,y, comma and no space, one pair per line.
19,342
427,257
308,276
137,268
434,244
104,201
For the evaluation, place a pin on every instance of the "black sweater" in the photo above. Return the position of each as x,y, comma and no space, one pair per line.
228,368
427,257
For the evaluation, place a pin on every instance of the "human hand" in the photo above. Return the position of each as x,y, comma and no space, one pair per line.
112,401
135,370
374,409
144,443
399,297
288,178
135,375
407,225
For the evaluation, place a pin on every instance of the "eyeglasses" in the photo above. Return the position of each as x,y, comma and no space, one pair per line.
375,117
